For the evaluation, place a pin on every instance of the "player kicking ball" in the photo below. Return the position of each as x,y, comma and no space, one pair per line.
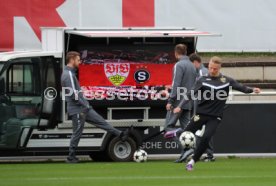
212,92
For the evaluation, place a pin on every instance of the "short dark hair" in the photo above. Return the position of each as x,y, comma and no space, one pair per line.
195,57
71,55
181,49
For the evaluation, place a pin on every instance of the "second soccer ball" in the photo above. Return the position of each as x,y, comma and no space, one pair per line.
140,156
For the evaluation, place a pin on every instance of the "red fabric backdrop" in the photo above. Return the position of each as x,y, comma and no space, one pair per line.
95,74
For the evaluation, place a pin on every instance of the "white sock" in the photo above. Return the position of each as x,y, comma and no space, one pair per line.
192,162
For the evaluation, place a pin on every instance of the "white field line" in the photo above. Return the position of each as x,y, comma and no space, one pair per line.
145,178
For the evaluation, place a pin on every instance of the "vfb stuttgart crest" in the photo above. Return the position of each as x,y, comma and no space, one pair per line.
116,73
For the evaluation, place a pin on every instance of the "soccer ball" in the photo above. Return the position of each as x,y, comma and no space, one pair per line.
140,156
187,139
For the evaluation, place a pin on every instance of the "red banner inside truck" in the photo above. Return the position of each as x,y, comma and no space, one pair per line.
125,74
133,72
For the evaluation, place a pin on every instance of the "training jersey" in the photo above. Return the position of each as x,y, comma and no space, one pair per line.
184,76
212,93
76,103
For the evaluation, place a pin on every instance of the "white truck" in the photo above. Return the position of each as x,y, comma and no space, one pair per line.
31,124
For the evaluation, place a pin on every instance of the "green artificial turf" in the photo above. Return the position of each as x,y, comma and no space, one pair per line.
251,172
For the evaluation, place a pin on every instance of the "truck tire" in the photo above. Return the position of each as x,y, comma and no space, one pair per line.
121,151
101,156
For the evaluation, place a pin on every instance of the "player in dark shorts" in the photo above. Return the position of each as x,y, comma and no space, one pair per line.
212,92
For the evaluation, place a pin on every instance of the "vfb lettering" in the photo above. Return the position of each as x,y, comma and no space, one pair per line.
116,73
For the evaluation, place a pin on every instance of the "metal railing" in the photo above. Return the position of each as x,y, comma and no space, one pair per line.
263,97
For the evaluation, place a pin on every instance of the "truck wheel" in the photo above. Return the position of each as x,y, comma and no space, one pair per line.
99,156
121,151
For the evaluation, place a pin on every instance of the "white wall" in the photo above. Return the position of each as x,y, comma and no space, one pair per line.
245,25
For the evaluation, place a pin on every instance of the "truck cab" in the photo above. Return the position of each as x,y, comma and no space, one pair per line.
24,77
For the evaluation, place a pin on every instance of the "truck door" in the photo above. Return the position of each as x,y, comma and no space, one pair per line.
51,103
23,83
21,99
